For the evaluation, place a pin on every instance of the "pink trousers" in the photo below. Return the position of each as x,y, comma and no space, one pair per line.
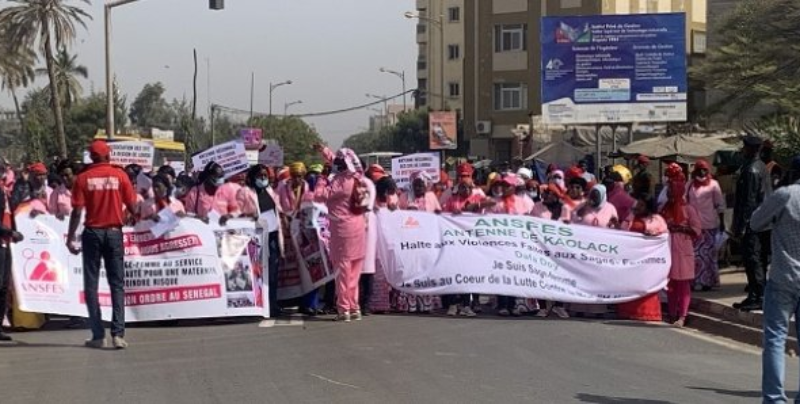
679,295
347,274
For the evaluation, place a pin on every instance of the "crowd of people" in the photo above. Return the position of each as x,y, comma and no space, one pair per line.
690,207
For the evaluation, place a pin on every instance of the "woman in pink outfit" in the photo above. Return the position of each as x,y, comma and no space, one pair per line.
684,227
644,219
293,192
618,196
503,192
210,194
707,199
597,211
420,198
553,208
347,201
61,198
161,199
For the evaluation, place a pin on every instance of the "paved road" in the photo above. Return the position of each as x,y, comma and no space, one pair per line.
386,359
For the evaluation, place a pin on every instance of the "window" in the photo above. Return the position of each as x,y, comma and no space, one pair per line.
422,84
454,14
698,42
510,96
453,51
455,89
422,28
571,4
510,37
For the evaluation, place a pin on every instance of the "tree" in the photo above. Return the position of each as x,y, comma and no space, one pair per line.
150,109
363,142
759,59
16,70
67,72
46,22
39,122
293,134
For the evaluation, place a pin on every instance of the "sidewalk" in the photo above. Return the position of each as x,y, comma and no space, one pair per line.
713,312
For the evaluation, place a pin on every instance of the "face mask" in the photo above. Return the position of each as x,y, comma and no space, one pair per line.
219,182
533,194
701,178
497,192
262,183
180,191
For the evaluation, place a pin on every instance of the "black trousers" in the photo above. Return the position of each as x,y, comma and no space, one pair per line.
751,255
5,279
365,290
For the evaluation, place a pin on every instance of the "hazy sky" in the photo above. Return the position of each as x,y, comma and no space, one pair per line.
330,49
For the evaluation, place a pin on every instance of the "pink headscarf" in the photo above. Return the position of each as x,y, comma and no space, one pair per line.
351,160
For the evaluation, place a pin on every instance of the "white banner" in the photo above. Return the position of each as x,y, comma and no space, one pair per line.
124,153
195,271
231,156
271,155
403,167
519,256
306,263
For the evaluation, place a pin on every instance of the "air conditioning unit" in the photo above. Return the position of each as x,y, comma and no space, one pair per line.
483,127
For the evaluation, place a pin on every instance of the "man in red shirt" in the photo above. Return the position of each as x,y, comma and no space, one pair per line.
102,190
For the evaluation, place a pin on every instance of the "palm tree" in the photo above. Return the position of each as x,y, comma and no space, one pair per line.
16,71
67,73
48,22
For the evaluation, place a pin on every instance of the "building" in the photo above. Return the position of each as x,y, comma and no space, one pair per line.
491,72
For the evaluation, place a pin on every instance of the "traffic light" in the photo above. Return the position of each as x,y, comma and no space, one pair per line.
216,4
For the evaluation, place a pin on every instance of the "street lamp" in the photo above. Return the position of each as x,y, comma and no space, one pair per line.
287,105
385,100
110,127
272,88
438,23
402,76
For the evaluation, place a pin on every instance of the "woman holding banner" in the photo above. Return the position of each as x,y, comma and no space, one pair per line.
644,219
552,207
463,200
504,194
419,198
347,200
385,199
259,201
684,227
161,199
208,196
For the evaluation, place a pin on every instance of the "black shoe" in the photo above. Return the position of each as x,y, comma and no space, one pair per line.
5,338
705,289
747,301
308,312
752,306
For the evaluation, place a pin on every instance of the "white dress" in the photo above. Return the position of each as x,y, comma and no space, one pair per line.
372,231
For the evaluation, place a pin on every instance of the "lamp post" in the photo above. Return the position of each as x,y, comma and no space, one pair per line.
385,100
439,24
110,127
287,105
402,76
272,88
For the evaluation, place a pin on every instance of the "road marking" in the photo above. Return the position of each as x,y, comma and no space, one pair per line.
283,321
325,379
730,344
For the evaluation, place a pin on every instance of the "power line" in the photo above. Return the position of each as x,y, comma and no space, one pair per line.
318,114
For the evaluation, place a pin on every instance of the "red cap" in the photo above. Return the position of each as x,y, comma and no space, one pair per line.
38,168
643,159
99,148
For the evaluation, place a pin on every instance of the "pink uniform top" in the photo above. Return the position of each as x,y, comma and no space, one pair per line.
599,217
200,203
426,203
60,202
148,207
348,230
527,203
540,210
510,206
457,204
653,225
288,198
708,201
682,247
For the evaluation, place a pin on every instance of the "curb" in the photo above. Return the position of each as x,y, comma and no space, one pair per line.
725,321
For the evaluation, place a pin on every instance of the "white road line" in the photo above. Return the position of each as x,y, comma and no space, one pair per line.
325,379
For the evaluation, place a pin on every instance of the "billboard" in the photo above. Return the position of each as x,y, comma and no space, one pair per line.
443,130
614,69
